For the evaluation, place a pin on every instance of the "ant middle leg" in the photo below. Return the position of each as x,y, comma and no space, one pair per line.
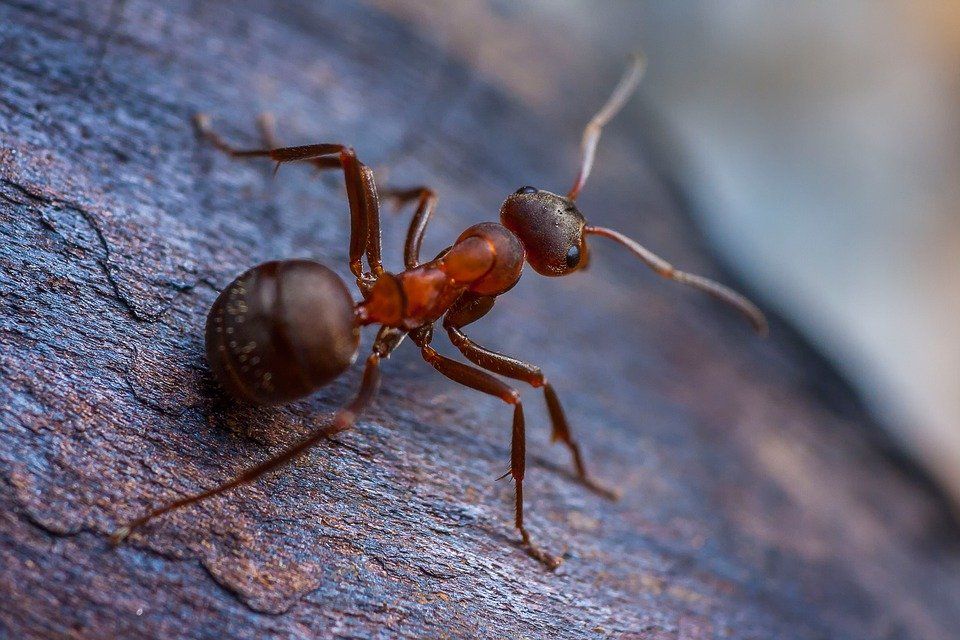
486,383
361,186
342,420
426,203
267,126
471,308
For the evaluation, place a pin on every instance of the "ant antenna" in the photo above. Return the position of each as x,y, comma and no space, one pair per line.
591,134
667,270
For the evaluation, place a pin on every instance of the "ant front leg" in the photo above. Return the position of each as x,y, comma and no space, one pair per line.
486,383
471,308
361,193
426,203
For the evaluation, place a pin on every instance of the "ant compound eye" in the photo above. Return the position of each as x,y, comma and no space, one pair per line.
526,189
573,257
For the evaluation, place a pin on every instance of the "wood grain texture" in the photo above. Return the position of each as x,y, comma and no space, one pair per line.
758,500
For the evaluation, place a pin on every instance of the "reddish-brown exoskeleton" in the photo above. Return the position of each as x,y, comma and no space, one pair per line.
283,329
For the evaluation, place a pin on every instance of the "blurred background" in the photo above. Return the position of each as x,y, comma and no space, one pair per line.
820,145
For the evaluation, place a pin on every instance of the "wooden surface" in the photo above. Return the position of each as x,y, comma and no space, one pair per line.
759,501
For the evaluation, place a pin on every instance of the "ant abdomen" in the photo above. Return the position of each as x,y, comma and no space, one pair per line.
280,331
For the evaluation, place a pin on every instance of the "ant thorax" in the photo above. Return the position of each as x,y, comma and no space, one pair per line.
411,298
486,259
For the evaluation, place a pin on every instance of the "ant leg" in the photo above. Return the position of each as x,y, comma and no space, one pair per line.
426,203
268,134
486,383
591,133
342,420
361,192
471,309
267,126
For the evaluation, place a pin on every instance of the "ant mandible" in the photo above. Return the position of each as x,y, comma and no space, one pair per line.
285,328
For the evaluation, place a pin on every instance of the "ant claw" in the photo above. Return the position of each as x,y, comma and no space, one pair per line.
119,536
202,122
548,560
605,492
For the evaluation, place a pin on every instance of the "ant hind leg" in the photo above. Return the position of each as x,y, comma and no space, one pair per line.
342,420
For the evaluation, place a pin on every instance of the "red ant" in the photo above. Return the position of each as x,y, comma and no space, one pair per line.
283,329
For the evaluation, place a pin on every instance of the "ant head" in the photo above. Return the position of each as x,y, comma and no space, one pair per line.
550,227
552,230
